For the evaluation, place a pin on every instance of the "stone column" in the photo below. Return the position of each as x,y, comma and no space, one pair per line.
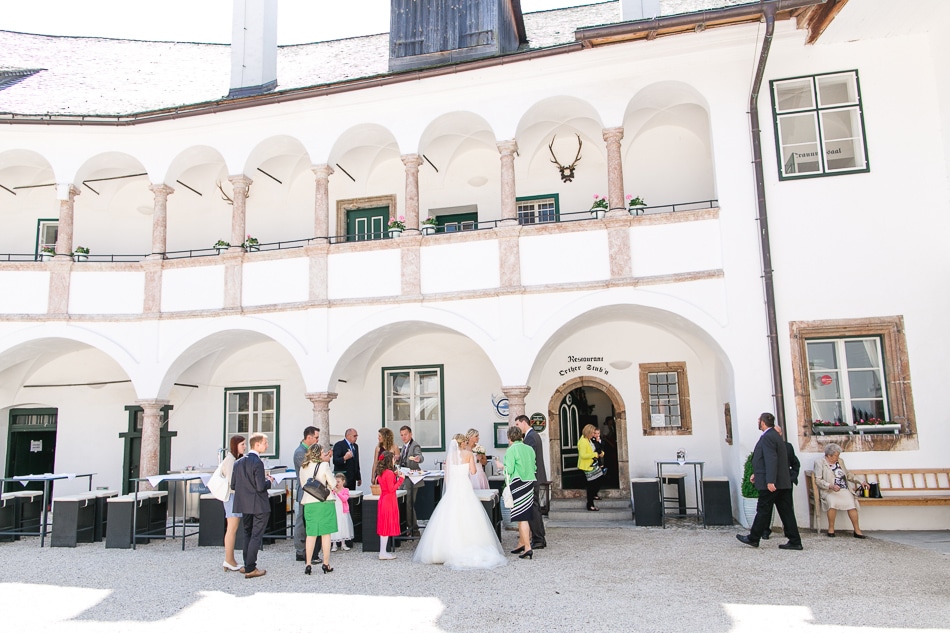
153,285
321,413
412,163
239,210
618,205
509,203
509,256
321,203
618,248
515,397
159,219
151,436
64,237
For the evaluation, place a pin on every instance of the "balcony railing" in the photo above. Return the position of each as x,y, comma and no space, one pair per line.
481,225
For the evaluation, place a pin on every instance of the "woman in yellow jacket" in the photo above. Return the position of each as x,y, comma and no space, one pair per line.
589,463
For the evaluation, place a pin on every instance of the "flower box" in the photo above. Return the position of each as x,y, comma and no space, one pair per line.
863,429
828,429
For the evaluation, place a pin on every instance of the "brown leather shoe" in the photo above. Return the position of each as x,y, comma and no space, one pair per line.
255,574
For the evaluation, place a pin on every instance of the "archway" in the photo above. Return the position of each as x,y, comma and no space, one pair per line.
560,458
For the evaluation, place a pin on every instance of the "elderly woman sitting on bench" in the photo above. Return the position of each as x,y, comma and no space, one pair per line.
832,477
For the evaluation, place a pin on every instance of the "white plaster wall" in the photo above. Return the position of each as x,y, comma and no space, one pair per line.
460,266
106,292
364,274
675,248
277,281
24,292
564,258
193,288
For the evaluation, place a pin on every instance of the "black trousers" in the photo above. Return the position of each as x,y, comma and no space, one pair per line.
781,500
254,526
593,487
536,522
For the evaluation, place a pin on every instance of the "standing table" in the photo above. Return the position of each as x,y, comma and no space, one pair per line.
174,479
678,502
47,479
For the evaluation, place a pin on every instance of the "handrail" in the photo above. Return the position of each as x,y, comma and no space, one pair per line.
480,225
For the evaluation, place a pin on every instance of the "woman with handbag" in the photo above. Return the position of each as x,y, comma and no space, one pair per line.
588,461
233,520
521,475
318,502
832,477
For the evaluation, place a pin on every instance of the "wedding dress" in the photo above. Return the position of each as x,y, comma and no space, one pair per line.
459,534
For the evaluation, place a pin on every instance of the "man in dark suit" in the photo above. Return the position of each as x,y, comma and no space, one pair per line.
772,478
250,485
532,439
410,456
311,435
346,459
794,468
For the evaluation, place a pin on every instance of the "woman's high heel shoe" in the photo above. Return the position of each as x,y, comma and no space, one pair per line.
307,570
518,551
529,555
593,509
326,569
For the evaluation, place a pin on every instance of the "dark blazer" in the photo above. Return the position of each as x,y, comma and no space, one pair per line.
533,440
794,466
250,485
350,467
414,451
769,462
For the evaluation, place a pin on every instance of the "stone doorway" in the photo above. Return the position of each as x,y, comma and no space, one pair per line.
557,438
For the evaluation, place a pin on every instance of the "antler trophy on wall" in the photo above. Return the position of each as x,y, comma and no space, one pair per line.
567,171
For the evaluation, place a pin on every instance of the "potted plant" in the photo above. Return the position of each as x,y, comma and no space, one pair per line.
750,495
47,253
635,204
221,246
876,425
251,244
81,254
397,226
599,209
428,226
831,427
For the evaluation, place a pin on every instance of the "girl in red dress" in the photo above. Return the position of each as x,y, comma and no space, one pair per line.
387,517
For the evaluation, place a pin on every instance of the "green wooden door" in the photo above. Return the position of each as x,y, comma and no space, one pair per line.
367,224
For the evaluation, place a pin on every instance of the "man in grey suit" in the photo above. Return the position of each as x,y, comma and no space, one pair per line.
410,456
311,435
250,484
772,478
532,439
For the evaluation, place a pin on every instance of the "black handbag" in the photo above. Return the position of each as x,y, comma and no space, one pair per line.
316,489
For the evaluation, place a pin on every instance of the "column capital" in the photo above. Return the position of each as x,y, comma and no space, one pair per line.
322,171
240,181
161,190
517,392
67,191
321,398
153,404
507,148
411,161
613,134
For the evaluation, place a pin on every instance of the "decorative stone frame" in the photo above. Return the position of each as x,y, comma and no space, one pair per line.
554,438
355,204
896,375
686,421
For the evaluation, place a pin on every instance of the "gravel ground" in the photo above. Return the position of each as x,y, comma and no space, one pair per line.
590,580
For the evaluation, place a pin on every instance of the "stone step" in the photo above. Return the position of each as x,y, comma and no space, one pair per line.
581,504
572,515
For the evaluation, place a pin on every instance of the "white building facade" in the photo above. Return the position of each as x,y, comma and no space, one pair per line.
522,296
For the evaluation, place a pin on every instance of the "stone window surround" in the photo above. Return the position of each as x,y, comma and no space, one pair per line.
355,204
686,422
896,374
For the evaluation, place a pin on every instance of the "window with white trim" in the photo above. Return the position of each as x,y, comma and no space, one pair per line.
819,125
413,396
537,209
251,410
47,231
846,380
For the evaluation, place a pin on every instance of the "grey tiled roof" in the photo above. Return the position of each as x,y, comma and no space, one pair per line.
111,77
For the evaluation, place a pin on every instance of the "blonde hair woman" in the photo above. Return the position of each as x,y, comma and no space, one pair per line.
387,442
588,461
479,478
319,516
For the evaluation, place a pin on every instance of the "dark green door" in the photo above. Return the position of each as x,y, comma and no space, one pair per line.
32,446
367,224
574,414
133,447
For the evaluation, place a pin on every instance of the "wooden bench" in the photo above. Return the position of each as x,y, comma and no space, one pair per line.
899,487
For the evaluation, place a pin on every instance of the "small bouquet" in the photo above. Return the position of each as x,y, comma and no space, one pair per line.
600,202
397,225
478,449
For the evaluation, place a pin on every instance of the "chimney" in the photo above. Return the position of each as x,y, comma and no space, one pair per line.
639,9
253,48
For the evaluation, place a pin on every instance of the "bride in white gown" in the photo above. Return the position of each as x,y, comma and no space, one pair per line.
459,534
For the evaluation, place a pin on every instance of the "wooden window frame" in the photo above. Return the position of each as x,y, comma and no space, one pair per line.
686,426
273,449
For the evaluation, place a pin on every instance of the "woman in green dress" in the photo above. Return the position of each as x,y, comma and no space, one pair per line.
319,516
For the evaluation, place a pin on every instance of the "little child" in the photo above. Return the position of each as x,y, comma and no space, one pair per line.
344,522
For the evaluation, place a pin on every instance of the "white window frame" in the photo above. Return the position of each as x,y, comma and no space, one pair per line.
818,110
422,427
41,225
649,403
841,375
256,415
538,210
